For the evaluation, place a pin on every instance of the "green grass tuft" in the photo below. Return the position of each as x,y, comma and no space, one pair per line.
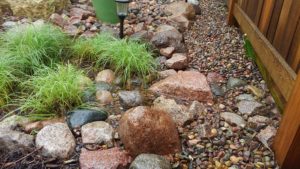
250,53
53,91
126,57
34,45
7,78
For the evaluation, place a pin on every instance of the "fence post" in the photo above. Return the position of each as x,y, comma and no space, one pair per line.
287,140
230,18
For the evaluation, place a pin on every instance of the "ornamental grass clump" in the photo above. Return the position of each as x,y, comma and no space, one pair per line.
7,78
34,45
53,90
126,57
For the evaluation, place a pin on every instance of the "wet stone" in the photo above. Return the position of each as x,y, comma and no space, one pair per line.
80,117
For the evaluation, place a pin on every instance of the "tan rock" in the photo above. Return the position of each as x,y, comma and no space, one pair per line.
167,52
106,75
36,8
104,97
181,8
41,124
178,61
146,130
97,132
166,73
185,85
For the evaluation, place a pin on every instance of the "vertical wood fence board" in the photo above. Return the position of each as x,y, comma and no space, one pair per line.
278,69
287,25
258,11
294,53
274,20
286,144
230,16
266,16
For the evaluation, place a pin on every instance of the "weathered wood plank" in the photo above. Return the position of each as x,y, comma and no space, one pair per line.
287,24
266,16
286,144
279,70
274,20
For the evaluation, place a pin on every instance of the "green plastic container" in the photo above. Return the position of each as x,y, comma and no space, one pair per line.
106,10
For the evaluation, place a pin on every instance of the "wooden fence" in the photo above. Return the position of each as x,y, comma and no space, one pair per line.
273,28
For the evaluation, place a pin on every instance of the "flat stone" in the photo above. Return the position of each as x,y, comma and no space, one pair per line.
129,99
97,132
104,97
258,121
167,52
185,85
182,22
80,117
197,108
248,107
11,140
9,24
56,141
245,97
235,82
178,61
13,121
266,135
150,161
104,159
71,30
38,125
179,113
146,130
166,73
107,76
233,118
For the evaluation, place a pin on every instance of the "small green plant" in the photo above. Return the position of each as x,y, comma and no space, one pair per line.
250,53
34,45
126,57
53,91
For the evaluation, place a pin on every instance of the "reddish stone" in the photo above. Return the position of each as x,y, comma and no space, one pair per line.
146,130
185,85
80,12
178,61
41,124
214,77
57,19
166,73
104,159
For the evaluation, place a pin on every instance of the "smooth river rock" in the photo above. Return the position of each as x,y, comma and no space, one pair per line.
150,161
146,130
185,85
97,132
80,117
56,141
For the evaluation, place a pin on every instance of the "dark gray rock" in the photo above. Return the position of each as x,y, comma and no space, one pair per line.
129,99
235,82
217,90
150,161
80,117
11,140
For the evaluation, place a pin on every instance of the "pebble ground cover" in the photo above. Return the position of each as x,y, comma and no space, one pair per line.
178,92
